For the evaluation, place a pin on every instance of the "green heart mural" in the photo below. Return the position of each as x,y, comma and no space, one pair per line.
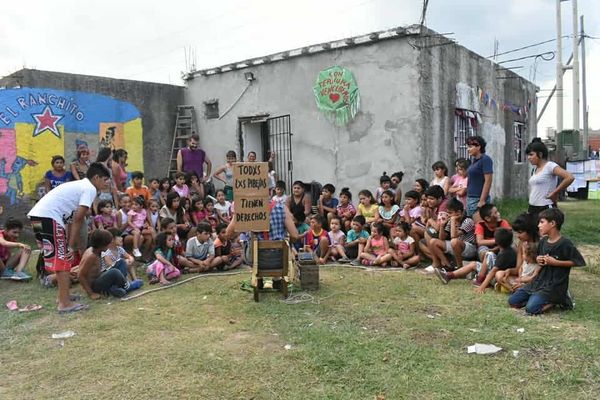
336,94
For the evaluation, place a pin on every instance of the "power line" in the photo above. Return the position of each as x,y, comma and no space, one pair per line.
526,47
546,56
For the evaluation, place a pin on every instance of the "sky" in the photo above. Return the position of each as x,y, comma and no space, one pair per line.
155,40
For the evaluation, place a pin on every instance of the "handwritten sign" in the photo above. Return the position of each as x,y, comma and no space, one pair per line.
251,196
337,95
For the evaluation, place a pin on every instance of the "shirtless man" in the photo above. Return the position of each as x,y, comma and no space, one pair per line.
92,279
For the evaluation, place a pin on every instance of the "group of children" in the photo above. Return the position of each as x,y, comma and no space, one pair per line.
173,228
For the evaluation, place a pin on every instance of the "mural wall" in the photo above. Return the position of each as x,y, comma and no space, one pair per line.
38,123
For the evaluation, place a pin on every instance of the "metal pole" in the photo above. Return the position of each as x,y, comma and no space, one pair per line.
575,68
559,70
584,93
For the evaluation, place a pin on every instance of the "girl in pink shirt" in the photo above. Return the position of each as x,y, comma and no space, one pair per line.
376,250
459,181
137,226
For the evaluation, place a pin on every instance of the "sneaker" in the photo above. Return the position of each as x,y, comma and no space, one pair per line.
136,253
7,273
134,285
117,291
355,263
20,276
344,260
430,269
442,275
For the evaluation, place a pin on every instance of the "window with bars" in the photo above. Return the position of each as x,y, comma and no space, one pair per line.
465,125
211,109
518,135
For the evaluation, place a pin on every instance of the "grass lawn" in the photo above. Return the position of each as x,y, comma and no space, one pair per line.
364,335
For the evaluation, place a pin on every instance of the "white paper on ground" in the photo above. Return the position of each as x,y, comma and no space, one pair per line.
63,335
479,348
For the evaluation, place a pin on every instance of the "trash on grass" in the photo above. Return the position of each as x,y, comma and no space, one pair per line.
204,297
474,330
30,307
515,353
12,305
430,316
479,348
63,335
287,347
520,330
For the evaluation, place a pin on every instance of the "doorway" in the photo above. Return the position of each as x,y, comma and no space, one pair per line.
264,135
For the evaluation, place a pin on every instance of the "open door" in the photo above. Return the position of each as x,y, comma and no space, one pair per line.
279,131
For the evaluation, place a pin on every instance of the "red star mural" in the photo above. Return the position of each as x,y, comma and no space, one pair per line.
46,121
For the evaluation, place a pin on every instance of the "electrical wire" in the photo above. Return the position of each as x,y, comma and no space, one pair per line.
527,47
547,56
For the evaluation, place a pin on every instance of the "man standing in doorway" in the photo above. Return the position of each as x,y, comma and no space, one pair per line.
192,159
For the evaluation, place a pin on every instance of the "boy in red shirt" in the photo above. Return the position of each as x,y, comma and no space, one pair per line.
317,239
11,265
485,229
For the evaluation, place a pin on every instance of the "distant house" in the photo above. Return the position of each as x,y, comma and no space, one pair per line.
421,95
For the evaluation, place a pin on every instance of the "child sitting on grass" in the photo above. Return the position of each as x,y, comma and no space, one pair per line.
223,207
137,188
388,211
485,228
327,203
137,225
514,278
225,258
91,277
302,228
169,226
107,217
115,252
486,270
556,256
180,187
411,212
507,258
457,238
200,249
337,240
317,240
356,239
377,246
345,209
403,253
367,206
162,269
12,263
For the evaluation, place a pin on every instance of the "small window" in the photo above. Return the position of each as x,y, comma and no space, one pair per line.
211,109
465,125
518,134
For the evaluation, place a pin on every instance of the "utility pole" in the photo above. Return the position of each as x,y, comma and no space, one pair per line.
584,93
576,108
559,70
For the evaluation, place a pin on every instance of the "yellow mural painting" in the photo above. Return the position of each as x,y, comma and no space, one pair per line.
41,149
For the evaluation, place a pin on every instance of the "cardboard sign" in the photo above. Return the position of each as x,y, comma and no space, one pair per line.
251,196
